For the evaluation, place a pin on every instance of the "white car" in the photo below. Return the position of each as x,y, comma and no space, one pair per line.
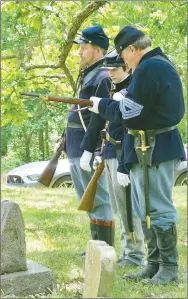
27,175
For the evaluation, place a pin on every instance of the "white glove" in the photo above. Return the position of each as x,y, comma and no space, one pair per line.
123,179
85,160
95,101
96,162
118,96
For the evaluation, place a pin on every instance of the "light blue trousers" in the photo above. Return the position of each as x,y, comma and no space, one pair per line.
161,181
102,208
129,250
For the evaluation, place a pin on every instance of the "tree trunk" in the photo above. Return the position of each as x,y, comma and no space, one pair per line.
41,145
47,141
27,139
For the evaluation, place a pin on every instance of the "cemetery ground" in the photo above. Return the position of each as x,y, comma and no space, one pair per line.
56,232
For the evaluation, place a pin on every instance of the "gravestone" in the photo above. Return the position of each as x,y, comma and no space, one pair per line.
19,276
99,270
13,245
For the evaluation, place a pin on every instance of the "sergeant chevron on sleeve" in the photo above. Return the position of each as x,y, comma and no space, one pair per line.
150,108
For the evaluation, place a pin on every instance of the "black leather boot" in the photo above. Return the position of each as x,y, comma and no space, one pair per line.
152,266
168,265
106,233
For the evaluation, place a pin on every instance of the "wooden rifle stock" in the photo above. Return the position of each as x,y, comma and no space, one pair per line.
68,100
47,174
87,200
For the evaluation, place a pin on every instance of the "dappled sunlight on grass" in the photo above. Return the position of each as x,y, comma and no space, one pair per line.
56,232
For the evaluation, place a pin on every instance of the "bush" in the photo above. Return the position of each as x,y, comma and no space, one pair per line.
10,162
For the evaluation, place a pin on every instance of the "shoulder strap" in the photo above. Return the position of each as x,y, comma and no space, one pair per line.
86,79
90,75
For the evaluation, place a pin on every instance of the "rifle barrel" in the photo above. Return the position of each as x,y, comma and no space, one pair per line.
68,100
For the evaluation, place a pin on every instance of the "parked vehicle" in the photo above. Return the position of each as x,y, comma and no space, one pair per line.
181,174
27,175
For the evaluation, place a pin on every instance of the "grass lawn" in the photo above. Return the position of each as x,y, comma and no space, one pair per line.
56,231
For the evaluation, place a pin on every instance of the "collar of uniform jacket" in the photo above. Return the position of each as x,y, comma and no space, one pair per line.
154,52
93,66
122,84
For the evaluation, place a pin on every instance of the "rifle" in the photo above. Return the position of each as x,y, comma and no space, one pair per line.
47,174
87,200
68,100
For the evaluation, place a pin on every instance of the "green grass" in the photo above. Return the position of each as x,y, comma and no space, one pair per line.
56,230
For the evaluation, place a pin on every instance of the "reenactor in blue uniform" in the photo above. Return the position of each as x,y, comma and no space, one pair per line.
83,130
150,108
131,253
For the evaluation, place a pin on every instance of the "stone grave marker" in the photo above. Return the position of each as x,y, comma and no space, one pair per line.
99,270
13,246
19,276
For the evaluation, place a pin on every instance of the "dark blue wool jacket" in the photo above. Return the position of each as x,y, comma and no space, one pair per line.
153,100
76,139
115,130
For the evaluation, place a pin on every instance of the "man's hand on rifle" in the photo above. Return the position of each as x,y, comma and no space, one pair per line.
123,179
85,161
118,96
95,101
96,162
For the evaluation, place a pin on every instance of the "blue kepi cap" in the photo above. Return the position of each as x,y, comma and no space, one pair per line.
113,60
127,36
94,35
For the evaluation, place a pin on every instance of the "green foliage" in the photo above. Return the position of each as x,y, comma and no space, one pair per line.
35,33
10,161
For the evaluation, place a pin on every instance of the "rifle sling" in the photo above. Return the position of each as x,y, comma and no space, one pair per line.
86,79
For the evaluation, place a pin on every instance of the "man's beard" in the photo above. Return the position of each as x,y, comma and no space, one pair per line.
82,64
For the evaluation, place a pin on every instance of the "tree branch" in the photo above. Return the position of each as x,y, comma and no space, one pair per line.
69,76
46,76
43,66
8,57
77,21
173,4
52,11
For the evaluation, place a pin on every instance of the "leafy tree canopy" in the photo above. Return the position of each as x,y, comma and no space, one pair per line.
38,53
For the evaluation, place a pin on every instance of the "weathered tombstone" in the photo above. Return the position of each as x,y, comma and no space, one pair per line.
19,277
13,245
99,270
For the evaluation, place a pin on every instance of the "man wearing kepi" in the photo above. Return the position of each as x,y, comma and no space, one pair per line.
83,131
131,253
150,108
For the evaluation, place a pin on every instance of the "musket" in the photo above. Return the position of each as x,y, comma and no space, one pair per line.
87,200
47,174
143,148
68,100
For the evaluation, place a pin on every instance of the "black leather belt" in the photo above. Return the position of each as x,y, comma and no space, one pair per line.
74,125
154,131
